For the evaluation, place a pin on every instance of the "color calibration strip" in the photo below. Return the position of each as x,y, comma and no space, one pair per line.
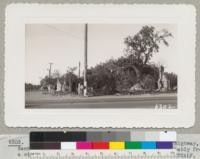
102,145
101,140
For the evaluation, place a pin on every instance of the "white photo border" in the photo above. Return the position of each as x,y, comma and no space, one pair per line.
17,15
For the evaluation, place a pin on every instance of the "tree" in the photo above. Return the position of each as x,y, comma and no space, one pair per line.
101,79
56,74
145,43
31,87
141,47
70,73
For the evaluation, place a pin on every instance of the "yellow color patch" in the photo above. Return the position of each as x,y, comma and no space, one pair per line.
116,145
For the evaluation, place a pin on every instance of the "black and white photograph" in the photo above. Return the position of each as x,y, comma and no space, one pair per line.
101,66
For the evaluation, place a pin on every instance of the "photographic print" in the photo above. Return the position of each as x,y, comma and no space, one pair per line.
101,66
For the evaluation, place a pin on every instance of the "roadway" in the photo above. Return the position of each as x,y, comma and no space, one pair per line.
106,102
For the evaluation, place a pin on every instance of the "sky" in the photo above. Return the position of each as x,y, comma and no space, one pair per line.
63,45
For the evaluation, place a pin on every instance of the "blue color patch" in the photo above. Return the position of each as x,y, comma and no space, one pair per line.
148,145
164,145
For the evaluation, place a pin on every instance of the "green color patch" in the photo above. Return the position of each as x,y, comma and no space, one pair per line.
133,145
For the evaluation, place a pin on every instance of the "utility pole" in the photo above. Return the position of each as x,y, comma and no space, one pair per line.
79,69
48,71
50,67
85,59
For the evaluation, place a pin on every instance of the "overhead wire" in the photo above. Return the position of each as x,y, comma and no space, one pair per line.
69,34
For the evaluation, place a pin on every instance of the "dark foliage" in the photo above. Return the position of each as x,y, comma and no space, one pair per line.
31,87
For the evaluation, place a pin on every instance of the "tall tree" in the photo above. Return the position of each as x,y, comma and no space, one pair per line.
141,47
145,43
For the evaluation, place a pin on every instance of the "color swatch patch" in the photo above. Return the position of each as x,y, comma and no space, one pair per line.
116,145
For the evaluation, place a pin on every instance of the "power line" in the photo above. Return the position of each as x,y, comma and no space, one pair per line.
69,34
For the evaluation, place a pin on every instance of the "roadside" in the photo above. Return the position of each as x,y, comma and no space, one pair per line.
39,97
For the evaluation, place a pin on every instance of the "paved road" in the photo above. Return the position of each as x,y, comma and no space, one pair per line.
146,102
